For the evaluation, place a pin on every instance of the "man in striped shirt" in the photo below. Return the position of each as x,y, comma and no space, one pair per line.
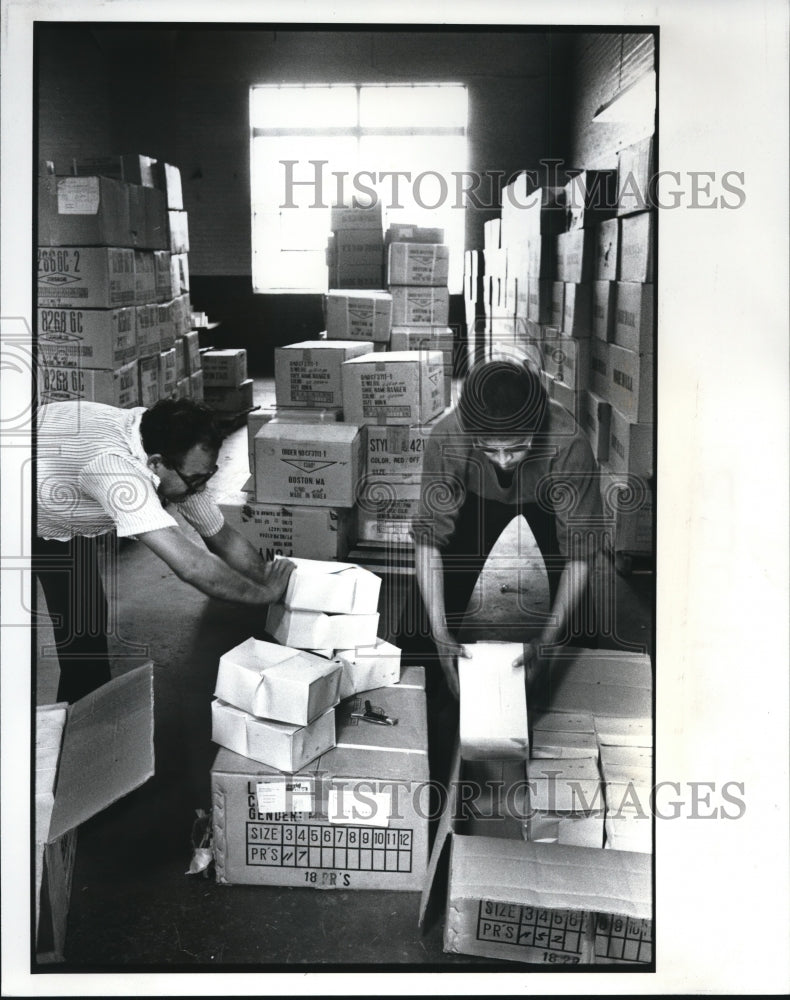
102,469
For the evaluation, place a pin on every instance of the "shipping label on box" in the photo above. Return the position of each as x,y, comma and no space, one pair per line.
607,258
227,368
633,325
567,359
358,316
595,420
309,373
493,704
279,744
145,277
84,211
418,264
630,386
637,234
332,587
385,511
397,387
395,452
167,373
317,465
149,341
557,316
576,251
87,338
310,532
353,819
148,375
115,388
604,304
630,446
163,275
229,399
412,305
85,277
577,314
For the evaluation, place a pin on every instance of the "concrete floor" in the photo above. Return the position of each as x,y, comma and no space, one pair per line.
132,906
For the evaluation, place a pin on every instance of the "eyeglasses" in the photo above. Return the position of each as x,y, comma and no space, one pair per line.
500,448
193,483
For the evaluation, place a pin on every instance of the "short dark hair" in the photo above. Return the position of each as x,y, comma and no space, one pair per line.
503,397
172,427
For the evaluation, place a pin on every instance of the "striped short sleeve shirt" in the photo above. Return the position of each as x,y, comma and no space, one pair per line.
93,477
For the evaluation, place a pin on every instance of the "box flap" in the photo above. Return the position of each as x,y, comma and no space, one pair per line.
444,832
108,749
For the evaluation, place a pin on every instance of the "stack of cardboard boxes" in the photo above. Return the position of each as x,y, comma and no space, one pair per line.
114,315
226,387
355,250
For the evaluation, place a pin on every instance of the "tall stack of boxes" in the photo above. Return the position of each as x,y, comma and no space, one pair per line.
355,250
114,315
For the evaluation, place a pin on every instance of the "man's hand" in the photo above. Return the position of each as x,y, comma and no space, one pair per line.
532,662
449,651
275,577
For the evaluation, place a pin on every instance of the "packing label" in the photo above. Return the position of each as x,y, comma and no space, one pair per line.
361,806
78,196
273,796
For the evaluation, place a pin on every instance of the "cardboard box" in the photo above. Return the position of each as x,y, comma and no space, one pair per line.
179,274
422,338
633,326
167,374
635,177
183,388
181,368
493,704
278,744
628,502
358,247
189,344
398,232
167,325
567,359
226,369
275,682
145,288
600,367
394,453
310,373
308,464
353,819
603,682
546,903
196,385
147,217
309,532
590,197
331,587
177,232
98,166
107,750
138,169
413,306
492,234
57,384
595,420
225,399
630,386
539,301
367,277
418,264
630,446
563,734
604,306
579,829
607,257
557,315
87,338
365,316
541,257
85,277
366,668
577,313
385,511
394,387
168,179
163,279
148,377
83,211
637,237
316,630
566,784
182,315
343,217
148,331
287,415
576,252
564,395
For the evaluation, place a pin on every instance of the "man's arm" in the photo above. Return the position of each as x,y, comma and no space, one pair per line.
210,574
234,549
430,580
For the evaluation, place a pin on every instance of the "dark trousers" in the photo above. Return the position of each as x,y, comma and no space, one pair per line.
71,579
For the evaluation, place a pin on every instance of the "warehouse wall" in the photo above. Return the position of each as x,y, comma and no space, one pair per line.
182,96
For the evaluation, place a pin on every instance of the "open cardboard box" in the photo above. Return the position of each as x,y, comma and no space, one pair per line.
107,751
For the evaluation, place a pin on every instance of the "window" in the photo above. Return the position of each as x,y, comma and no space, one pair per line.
316,146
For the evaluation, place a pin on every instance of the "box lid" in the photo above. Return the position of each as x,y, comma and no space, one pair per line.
108,749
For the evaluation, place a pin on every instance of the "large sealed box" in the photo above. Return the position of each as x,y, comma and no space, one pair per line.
145,288
317,630
276,682
356,818
147,217
603,682
604,304
179,275
148,376
418,264
309,532
493,704
358,315
413,305
395,453
567,359
278,744
575,255
630,446
359,248
228,399
83,211
630,386
86,277
577,310
163,276
633,325
102,748
189,344
595,420
310,373
226,368
333,587
313,464
607,259
87,338
637,234
58,384
394,387
148,331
